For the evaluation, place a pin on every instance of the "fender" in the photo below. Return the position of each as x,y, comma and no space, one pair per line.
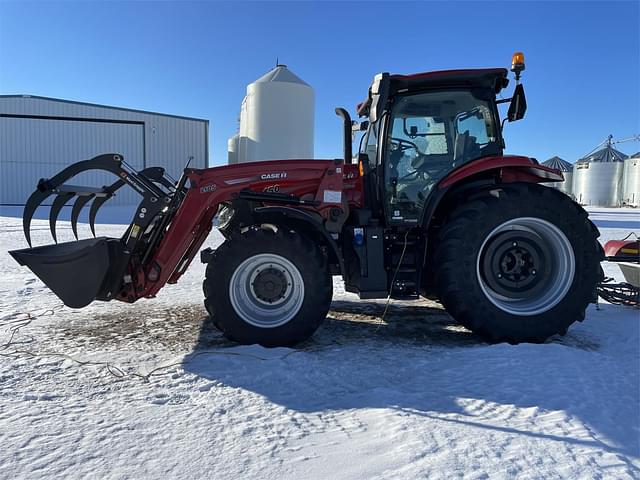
509,168
301,218
487,171
483,174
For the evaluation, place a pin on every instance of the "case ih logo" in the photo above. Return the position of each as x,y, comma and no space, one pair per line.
273,176
208,188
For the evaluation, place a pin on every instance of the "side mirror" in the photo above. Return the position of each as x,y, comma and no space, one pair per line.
518,105
359,127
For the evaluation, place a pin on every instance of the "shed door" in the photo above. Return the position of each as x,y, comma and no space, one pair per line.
34,148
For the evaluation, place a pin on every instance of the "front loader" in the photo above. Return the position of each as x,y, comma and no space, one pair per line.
429,206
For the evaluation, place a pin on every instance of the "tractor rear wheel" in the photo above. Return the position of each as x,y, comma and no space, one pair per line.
268,287
519,264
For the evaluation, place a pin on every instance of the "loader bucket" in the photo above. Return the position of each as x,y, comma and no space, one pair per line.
77,272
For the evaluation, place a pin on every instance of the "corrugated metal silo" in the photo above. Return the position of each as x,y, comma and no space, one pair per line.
631,181
597,178
277,118
567,170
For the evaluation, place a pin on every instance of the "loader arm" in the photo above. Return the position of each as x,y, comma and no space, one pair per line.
171,222
313,184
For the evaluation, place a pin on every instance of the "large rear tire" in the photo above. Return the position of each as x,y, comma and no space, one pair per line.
266,287
519,264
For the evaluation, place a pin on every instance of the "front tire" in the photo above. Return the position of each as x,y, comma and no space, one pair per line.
519,264
268,287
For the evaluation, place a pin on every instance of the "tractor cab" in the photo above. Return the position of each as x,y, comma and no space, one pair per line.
422,127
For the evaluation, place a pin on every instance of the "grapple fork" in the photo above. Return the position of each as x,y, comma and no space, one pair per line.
100,264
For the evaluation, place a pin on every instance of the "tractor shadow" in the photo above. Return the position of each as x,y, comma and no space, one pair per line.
419,361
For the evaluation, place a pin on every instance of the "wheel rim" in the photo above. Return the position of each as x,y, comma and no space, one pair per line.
266,290
525,266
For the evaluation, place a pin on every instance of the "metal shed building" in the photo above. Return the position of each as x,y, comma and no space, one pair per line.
39,136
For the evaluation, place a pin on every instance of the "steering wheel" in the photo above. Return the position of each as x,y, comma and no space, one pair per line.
403,144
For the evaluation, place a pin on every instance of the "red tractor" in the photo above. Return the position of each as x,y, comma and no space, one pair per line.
429,206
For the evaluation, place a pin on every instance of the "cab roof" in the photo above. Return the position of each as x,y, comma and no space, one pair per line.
494,79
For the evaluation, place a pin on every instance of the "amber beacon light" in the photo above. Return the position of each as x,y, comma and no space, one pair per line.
517,64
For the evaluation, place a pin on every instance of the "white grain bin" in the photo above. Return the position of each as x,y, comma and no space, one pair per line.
567,171
631,181
277,118
232,149
597,178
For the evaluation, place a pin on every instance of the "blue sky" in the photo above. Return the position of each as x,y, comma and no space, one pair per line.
196,58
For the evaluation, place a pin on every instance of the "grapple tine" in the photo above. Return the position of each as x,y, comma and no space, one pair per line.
97,203
110,162
93,211
32,204
58,203
75,212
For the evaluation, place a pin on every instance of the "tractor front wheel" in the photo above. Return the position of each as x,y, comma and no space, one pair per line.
519,264
266,287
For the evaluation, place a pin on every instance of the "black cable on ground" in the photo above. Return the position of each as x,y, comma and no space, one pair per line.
16,324
619,293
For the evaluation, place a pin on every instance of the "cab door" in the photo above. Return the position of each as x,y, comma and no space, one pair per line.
418,153
427,135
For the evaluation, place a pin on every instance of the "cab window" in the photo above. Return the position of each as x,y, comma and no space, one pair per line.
429,135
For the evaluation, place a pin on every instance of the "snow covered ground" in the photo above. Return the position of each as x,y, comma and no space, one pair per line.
417,396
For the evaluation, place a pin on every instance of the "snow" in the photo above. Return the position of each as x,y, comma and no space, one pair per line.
415,396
